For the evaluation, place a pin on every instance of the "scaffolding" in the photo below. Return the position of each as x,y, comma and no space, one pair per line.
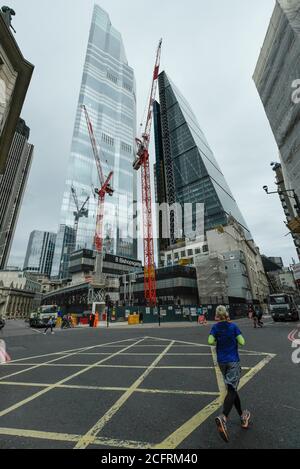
211,279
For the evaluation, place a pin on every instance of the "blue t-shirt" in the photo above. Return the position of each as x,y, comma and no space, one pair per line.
225,334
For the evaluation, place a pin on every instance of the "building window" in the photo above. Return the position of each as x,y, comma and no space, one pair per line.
112,77
190,252
127,87
108,140
197,251
176,255
205,248
126,148
182,253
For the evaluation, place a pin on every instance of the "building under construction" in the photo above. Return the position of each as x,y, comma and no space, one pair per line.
175,285
78,292
212,279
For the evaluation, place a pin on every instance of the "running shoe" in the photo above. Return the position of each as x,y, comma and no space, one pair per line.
222,428
245,419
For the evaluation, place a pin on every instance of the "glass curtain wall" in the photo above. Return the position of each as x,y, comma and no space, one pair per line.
108,92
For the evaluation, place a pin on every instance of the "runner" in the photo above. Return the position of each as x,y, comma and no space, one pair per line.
227,336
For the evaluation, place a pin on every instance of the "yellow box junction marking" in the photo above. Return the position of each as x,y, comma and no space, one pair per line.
63,381
91,437
176,438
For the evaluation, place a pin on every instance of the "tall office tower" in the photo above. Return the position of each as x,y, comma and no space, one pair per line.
40,250
12,187
64,246
186,169
108,92
276,78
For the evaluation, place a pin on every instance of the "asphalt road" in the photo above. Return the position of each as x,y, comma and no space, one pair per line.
144,387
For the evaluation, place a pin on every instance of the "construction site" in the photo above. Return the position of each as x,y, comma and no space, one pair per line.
225,268
116,287
220,265
96,277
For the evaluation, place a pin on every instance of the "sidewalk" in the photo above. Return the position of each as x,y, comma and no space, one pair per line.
151,325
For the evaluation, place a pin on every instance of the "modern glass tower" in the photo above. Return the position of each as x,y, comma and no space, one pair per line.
186,168
108,92
40,250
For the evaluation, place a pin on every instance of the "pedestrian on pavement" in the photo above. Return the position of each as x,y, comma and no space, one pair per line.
70,321
202,319
49,325
259,314
92,319
253,316
227,337
63,321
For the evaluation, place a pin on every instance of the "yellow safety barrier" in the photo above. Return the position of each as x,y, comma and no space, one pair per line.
133,319
74,320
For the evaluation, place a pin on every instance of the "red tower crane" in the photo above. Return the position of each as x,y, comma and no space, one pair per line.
142,161
105,187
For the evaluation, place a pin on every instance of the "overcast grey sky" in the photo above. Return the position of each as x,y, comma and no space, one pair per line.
210,51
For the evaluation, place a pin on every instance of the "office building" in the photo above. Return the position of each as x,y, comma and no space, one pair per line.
243,256
64,246
12,187
40,251
108,92
186,172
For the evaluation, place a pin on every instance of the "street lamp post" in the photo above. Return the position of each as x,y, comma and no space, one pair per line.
286,191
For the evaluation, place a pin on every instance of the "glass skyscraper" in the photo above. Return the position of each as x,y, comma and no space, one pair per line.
108,92
40,250
186,168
